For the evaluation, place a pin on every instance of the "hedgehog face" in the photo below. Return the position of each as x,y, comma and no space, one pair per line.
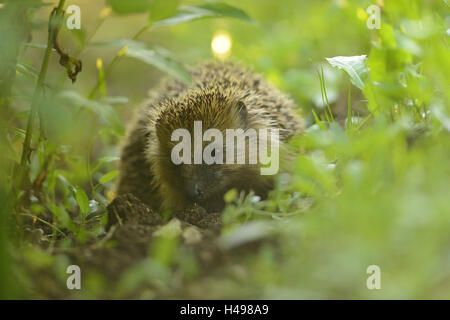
206,185
201,183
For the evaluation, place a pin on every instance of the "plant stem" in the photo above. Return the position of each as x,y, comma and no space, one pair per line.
115,60
141,31
34,110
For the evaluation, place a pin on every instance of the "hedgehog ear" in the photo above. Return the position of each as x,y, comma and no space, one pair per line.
242,110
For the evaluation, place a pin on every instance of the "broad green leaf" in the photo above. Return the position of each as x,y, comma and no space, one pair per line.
207,10
109,176
420,29
355,66
245,233
438,111
63,217
376,62
82,200
28,3
156,56
158,9
104,160
387,35
162,9
129,6
103,110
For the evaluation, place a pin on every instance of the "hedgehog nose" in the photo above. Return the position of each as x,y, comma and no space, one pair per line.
196,192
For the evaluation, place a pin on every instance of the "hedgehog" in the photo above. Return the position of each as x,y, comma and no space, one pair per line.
221,96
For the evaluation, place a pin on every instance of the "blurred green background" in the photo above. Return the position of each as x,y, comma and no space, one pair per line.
370,181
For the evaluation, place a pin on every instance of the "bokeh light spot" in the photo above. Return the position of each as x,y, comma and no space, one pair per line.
221,44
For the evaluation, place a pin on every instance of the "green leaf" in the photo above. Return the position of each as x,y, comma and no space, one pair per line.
102,161
245,233
421,29
82,200
207,10
28,3
355,66
109,176
115,100
387,36
105,112
157,57
158,9
129,6
27,70
37,46
162,9
63,217
230,196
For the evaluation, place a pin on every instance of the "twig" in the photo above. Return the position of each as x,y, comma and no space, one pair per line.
108,236
44,222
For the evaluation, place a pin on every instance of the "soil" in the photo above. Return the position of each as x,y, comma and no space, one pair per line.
132,229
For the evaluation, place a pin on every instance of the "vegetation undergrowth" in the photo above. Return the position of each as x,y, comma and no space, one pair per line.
368,184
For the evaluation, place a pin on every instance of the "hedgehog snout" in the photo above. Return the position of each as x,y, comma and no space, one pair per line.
196,192
199,182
